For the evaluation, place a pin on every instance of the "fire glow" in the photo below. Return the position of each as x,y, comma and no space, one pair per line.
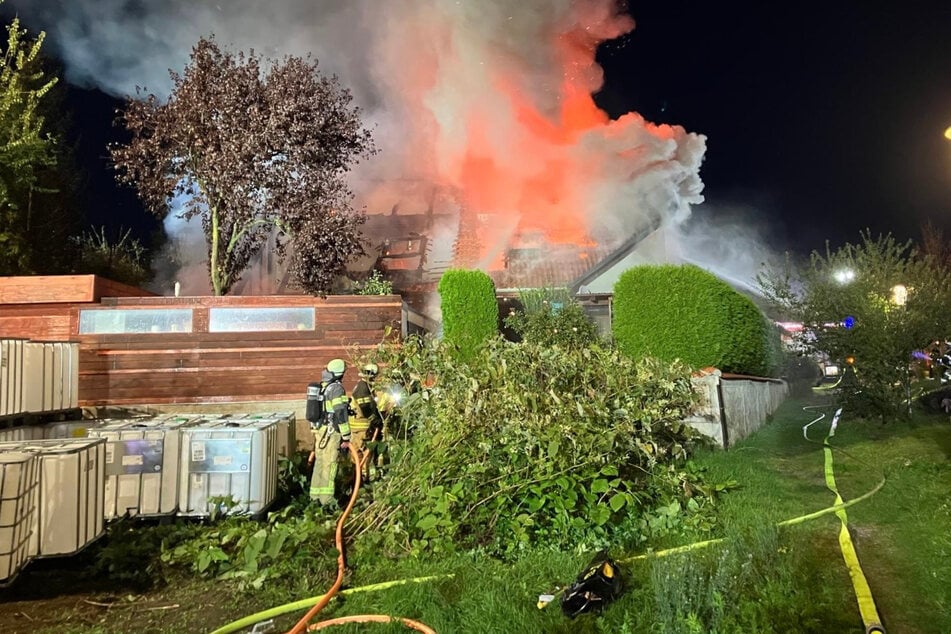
488,99
506,118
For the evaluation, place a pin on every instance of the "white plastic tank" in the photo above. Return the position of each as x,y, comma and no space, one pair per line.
34,379
19,434
11,376
141,466
72,428
19,489
228,461
286,429
70,503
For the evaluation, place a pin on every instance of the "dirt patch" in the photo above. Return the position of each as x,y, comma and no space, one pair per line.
56,598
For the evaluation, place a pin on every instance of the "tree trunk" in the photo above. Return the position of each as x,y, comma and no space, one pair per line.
214,266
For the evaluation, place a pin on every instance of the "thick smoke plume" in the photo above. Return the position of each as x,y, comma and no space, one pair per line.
488,99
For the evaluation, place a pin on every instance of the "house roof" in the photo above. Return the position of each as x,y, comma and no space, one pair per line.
605,264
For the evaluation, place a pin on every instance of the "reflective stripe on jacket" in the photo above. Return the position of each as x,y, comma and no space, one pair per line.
336,405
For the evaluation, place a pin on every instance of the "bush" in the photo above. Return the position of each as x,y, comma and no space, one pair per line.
684,312
550,317
122,259
530,445
375,285
470,311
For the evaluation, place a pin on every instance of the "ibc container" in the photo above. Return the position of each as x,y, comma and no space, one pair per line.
70,351
19,488
228,459
70,428
70,501
19,434
141,466
11,376
37,379
53,393
286,429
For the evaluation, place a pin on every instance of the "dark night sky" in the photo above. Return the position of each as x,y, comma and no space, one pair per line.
822,118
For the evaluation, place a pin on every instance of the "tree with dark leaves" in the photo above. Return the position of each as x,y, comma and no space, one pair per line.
251,147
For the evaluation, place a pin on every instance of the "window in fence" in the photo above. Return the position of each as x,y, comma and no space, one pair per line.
260,319
121,321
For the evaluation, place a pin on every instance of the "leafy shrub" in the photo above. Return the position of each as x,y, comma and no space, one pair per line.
122,259
252,552
528,445
375,285
686,313
552,318
470,312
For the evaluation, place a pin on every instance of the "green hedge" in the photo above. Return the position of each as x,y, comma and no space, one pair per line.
683,312
470,311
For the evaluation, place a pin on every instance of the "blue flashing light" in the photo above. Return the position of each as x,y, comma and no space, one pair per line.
848,322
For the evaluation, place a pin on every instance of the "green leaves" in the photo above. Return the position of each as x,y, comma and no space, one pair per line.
683,312
524,431
885,333
470,311
26,146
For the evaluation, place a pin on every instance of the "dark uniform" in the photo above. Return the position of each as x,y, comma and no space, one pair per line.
366,424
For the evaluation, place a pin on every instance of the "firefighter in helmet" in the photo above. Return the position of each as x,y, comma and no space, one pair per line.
330,436
366,426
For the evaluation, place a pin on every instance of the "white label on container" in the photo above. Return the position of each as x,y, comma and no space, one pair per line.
223,460
133,460
198,452
110,452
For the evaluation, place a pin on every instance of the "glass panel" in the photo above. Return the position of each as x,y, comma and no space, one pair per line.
257,319
119,321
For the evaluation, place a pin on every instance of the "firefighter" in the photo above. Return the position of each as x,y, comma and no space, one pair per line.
366,426
330,436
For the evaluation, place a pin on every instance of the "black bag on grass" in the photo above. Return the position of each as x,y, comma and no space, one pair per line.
596,586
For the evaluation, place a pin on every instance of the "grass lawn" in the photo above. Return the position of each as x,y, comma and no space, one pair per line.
902,534
760,579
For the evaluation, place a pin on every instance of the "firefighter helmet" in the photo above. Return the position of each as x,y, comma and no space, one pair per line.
337,367
371,370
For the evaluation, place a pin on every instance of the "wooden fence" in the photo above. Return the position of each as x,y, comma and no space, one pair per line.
202,365
38,306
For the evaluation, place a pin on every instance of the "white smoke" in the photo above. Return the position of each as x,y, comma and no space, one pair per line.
733,246
488,97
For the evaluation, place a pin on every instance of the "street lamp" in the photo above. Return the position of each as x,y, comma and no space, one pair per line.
844,276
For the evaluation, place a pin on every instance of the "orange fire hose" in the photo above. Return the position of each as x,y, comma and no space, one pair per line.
373,618
302,624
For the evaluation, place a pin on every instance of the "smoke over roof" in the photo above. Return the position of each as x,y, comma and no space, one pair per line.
491,99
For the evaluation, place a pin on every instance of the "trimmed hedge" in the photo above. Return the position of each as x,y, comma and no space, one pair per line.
683,312
470,311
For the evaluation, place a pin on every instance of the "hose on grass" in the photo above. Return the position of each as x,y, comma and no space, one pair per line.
863,592
373,618
872,624
303,623
302,604
321,601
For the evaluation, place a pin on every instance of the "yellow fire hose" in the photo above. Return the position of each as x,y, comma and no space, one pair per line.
863,593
